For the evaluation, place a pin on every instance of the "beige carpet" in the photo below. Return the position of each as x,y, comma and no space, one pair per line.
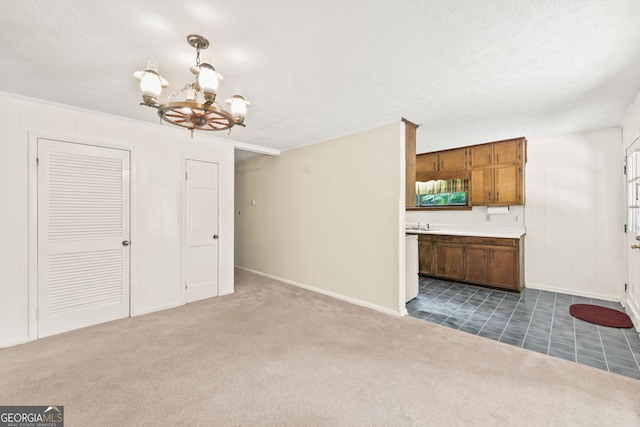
274,354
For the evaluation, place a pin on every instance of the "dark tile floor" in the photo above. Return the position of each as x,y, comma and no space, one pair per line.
535,320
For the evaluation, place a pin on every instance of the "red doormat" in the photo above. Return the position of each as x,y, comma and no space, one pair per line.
601,315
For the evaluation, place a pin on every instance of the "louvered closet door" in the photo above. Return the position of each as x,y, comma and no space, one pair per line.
83,220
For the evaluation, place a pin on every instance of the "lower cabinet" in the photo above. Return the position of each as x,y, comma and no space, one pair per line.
425,254
448,254
488,261
476,265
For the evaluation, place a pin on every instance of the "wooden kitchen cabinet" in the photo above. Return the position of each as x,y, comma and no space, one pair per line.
481,155
503,268
449,257
497,177
508,152
425,254
491,261
497,186
426,163
448,164
476,265
496,153
452,160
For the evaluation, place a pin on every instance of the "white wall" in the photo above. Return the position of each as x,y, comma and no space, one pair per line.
158,154
477,216
575,215
630,132
328,216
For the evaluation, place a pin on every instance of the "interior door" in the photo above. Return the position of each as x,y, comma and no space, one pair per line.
201,211
633,221
83,233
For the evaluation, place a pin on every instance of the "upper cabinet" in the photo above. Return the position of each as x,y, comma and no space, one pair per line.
497,173
497,153
495,170
453,160
447,164
426,163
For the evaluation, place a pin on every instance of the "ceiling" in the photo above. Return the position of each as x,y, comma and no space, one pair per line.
467,71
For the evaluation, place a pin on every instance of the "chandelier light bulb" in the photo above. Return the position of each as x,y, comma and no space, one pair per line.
238,106
151,83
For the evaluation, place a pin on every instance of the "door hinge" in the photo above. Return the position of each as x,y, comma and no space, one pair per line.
37,161
625,169
626,287
186,176
185,285
625,228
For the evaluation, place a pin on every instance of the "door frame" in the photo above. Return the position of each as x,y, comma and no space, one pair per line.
183,210
631,307
32,208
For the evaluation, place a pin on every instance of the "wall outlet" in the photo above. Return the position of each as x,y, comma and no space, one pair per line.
252,202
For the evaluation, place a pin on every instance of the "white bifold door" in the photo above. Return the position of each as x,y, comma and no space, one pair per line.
83,235
200,240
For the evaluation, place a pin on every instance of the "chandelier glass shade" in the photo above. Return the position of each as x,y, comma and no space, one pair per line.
193,113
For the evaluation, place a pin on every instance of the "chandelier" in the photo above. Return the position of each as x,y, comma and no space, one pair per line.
191,113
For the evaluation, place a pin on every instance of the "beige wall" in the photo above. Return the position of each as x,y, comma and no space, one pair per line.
328,216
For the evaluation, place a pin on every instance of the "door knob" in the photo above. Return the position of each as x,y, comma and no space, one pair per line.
215,236
635,246
125,243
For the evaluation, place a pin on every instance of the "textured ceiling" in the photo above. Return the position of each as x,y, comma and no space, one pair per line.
467,71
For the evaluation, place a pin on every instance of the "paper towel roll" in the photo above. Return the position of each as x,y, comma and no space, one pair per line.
493,210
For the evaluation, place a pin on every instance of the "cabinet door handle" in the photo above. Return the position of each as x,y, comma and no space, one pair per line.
489,196
489,158
497,196
435,166
441,164
497,158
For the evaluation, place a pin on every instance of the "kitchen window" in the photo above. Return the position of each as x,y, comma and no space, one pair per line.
442,193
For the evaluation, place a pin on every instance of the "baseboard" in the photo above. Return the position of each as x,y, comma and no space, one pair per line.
355,301
575,292
633,311
7,344
221,294
154,309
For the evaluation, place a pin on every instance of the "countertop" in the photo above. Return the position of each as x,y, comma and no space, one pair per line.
467,230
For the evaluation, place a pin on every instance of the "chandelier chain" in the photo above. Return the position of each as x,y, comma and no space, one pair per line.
178,92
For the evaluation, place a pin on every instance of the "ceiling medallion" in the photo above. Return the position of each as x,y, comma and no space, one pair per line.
191,113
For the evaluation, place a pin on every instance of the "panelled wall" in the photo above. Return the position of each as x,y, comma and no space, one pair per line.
575,215
157,154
